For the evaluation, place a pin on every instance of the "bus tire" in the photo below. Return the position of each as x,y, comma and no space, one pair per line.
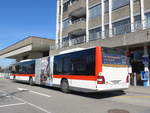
31,82
64,86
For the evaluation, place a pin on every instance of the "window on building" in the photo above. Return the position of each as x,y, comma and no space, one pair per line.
119,3
107,30
137,23
106,6
95,33
148,20
65,41
66,23
121,27
95,11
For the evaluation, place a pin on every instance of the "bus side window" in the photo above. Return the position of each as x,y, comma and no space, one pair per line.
57,65
90,64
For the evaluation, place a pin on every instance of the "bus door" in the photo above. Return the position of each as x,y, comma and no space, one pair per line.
43,71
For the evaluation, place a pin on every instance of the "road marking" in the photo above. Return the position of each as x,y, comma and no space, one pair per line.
132,97
9,105
33,105
24,102
42,109
22,89
42,94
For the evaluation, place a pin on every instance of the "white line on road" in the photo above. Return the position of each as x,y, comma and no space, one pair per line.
33,105
24,102
22,89
42,94
9,105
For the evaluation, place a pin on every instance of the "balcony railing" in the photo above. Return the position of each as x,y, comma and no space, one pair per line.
95,36
78,40
65,43
78,20
122,29
117,30
137,26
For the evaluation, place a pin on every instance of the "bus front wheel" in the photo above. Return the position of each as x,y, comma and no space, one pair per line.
64,86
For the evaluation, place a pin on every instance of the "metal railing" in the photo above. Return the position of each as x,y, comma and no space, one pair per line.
95,36
78,40
117,30
122,29
138,26
65,43
78,20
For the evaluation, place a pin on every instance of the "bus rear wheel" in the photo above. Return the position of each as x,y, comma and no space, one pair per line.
31,81
64,86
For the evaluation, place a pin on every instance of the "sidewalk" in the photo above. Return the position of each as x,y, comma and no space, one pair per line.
139,89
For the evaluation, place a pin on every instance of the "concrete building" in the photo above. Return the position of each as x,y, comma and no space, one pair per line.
28,48
111,23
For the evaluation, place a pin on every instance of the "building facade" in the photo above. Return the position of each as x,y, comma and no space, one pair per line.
80,21
111,23
29,48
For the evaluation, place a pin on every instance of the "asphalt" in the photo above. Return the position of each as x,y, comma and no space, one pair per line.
139,89
17,97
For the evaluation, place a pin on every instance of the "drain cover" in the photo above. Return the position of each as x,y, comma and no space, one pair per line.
117,111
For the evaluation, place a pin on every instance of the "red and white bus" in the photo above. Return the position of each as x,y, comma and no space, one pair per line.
95,69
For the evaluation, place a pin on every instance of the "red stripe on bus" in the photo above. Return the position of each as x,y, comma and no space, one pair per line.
98,67
76,77
25,75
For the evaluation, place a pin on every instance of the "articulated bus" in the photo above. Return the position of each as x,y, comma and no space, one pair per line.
89,70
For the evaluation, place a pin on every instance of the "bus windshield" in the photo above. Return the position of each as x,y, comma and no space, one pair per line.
114,56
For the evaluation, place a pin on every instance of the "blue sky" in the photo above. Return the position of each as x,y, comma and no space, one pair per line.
22,18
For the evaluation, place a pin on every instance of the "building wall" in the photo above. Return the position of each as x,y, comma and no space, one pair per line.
120,18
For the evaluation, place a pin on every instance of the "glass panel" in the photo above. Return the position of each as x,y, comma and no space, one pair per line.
137,23
106,6
25,68
119,3
95,11
76,63
114,56
148,20
122,27
66,23
95,33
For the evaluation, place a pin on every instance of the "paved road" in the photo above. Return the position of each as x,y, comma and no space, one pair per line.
22,98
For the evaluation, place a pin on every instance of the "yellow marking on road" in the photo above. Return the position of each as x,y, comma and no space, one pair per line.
132,96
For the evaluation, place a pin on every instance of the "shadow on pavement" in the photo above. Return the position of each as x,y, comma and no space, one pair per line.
95,95
99,95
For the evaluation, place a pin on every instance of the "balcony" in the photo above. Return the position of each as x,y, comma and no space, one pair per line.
65,42
78,8
78,40
122,29
77,27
